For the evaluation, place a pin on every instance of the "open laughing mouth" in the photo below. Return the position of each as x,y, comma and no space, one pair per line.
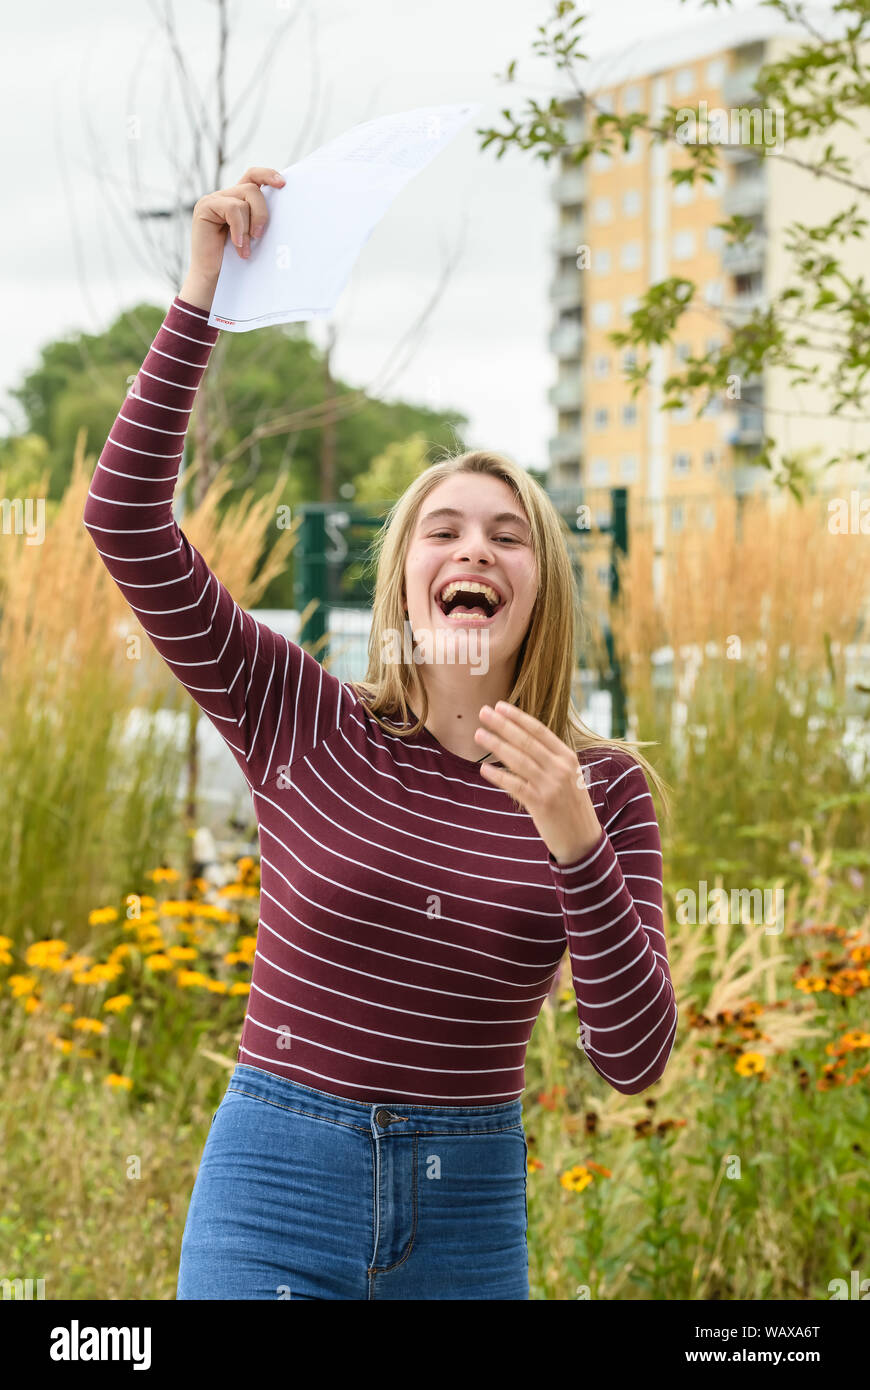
470,602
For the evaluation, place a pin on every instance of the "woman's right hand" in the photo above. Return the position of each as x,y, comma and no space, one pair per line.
240,208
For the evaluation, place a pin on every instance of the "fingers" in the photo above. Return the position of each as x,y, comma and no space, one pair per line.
510,734
248,190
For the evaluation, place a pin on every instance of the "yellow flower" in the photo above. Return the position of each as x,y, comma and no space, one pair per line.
240,988
856,1038
117,1003
119,1082
89,1025
66,1008
109,970
45,952
76,962
811,986
5,958
63,1044
119,952
162,875
100,915
21,984
750,1064
188,978
218,986
158,962
5,942
145,900
32,1004
176,907
860,953
576,1179
182,953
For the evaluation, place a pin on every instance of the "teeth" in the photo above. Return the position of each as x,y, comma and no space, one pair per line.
469,587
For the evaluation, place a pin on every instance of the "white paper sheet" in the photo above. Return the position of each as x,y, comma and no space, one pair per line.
323,216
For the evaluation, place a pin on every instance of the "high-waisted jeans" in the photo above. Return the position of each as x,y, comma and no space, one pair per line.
306,1195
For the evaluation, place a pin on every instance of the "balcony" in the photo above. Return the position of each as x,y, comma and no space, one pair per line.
567,394
566,289
567,239
745,429
566,447
570,186
745,196
741,307
739,88
566,339
746,257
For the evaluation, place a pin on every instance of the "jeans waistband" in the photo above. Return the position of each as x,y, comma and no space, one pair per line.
282,1091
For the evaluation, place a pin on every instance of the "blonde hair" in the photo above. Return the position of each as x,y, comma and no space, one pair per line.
547,657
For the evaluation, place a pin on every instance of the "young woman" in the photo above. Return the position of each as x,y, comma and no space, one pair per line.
431,840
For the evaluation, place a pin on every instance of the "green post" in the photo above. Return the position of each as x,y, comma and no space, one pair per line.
619,545
310,578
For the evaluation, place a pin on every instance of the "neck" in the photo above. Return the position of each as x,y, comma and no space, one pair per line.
455,697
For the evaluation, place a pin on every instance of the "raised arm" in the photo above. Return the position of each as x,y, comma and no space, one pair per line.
612,905
270,701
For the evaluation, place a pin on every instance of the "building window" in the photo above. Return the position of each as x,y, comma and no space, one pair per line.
600,472
604,575
683,351
601,366
684,193
682,414
713,292
629,358
631,202
601,313
629,414
602,261
632,154
684,81
713,347
681,463
713,407
683,246
715,72
630,255
709,460
631,99
628,468
708,516
602,210
715,238
677,516
713,189
629,304
606,102
602,160
601,417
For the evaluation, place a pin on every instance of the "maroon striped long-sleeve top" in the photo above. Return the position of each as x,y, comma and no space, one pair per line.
411,918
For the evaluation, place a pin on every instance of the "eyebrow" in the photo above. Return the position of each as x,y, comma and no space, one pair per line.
454,512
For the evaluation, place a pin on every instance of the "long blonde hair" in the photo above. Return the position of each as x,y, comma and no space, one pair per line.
547,657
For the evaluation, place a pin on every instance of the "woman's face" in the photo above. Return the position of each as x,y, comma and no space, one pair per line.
471,527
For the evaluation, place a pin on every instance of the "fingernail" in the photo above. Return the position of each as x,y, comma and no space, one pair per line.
258,230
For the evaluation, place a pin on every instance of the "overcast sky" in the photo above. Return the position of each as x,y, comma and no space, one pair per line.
75,75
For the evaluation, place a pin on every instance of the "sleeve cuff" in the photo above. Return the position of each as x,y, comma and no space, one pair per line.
586,860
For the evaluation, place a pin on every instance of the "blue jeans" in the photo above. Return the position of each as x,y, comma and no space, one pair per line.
305,1195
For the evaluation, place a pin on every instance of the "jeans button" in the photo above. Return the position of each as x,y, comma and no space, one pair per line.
383,1118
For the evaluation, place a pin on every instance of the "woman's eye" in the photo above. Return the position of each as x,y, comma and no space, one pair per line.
436,535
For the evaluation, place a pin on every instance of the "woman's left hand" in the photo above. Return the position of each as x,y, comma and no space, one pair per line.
544,776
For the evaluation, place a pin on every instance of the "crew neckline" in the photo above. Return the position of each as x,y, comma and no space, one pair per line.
445,752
